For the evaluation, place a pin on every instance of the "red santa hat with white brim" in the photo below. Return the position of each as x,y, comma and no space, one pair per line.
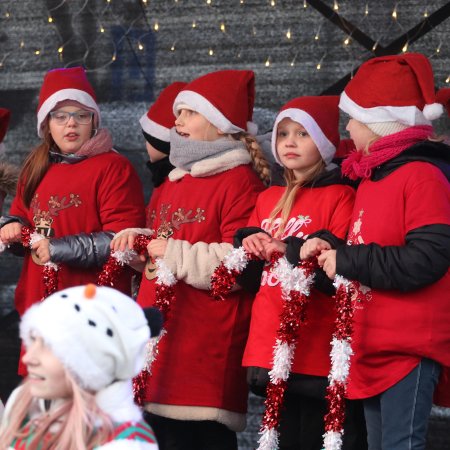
65,84
160,118
225,98
320,118
395,89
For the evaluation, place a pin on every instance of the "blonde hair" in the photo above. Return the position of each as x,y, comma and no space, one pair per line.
293,185
81,424
260,164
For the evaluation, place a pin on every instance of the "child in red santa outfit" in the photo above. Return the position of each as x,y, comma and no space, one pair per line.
399,247
83,346
290,219
74,189
197,395
156,125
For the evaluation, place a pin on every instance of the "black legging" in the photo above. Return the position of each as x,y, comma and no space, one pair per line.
191,434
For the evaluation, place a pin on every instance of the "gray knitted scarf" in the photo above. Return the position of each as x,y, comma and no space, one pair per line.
184,152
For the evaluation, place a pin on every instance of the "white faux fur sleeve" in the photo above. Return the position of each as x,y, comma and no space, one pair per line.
195,263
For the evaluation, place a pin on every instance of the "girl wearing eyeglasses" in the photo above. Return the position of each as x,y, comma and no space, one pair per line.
74,189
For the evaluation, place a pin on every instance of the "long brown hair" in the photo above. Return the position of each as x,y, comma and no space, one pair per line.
35,166
293,185
81,423
260,164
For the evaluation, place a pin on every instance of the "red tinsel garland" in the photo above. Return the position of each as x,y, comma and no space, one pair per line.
49,271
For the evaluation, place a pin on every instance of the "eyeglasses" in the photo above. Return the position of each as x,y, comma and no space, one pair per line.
81,117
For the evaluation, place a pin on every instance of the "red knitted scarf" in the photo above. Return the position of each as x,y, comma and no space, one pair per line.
358,165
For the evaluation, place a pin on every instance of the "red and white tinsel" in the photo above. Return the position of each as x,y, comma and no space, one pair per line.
295,283
50,269
341,352
164,299
224,276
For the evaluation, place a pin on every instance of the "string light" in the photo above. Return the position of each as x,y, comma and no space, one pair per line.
319,66
447,80
425,14
222,27
7,15
172,49
194,24
405,48
113,57
305,5
366,10
140,46
22,44
375,46
288,34
347,41
335,6
156,26
242,2
317,36
144,2
102,30
267,63
37,52
50,19
438,49
60,49
394,13
272,3
208,2
211,52
254,31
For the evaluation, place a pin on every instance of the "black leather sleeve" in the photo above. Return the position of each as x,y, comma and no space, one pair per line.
81,250
423,260
250,278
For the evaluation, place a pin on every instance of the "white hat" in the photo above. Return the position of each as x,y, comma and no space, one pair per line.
98,333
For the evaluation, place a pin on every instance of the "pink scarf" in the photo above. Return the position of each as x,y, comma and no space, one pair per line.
100,143
357,165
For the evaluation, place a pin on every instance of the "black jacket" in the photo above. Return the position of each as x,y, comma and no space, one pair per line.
423,259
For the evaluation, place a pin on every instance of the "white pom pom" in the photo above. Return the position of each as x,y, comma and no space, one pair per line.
433,111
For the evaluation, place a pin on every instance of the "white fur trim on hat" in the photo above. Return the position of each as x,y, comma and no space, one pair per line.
433,111
65,94
408,115
196,102
324,145
154,129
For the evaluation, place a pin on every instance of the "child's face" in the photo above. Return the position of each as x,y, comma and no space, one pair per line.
46,374
295,147
361,135
195,126
72,135
154,154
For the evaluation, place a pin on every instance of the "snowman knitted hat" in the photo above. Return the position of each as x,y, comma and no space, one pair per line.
320,118
225,98
159,119
98,333
65,84
391,93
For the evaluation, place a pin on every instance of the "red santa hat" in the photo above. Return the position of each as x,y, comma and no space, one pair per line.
98,333
225,98
320,118
160,118
443,97
398,89
5,115
65,84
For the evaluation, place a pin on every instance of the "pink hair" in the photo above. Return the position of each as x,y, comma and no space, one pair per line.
80,423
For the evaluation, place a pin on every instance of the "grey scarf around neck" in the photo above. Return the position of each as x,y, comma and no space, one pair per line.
184,152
